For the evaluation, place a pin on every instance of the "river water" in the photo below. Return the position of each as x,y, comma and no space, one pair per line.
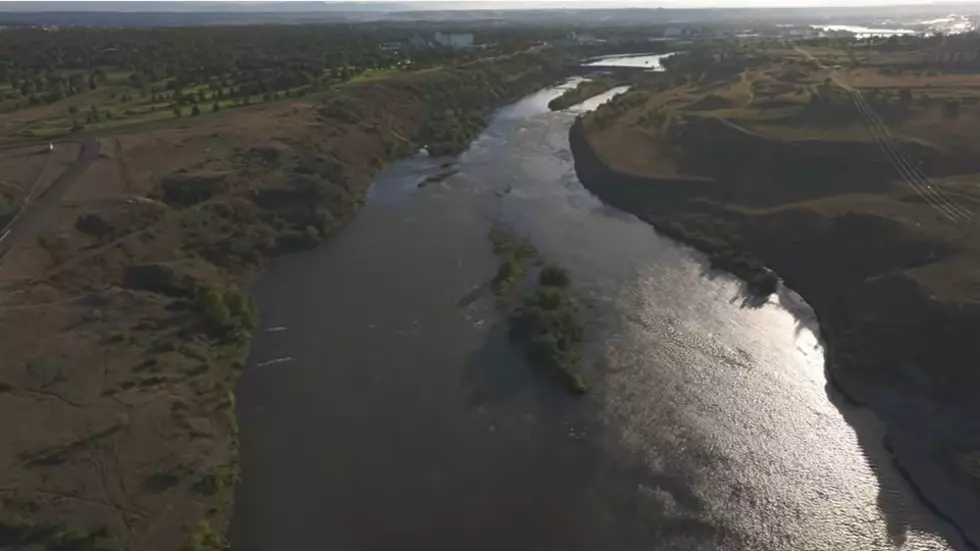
383,407
650,62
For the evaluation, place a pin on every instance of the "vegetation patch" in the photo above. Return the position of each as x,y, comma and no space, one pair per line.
546,322
163,481
725,252
205,538
548,325
514,254
228,311
585,90
450,131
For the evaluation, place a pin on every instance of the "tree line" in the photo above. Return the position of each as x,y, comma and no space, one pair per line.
45,66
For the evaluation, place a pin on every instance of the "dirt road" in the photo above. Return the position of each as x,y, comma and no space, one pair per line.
32,216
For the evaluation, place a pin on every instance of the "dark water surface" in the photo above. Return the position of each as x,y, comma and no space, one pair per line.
383,407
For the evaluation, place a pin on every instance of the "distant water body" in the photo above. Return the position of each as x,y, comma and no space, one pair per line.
651,62
865,32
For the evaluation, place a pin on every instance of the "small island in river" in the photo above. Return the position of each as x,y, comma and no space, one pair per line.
583,91
545,321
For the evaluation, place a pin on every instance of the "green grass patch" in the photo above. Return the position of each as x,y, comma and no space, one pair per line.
48,132
514,254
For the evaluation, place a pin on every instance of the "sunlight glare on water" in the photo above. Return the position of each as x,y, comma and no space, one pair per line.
408,420
699,381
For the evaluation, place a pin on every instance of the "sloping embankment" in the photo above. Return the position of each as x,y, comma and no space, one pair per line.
890,344
138,447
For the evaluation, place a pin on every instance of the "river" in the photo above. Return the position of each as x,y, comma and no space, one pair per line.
651,62
383,407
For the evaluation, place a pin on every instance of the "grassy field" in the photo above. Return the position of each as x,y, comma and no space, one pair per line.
117,103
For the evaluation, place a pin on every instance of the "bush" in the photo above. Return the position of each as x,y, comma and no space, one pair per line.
514,254
547,324
508,273
242,308
216,312
554,276
545,352
227,310
204,538
526,322
547,298
726,252
93,224
763,284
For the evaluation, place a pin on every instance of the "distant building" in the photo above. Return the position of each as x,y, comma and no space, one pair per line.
673,32
460,41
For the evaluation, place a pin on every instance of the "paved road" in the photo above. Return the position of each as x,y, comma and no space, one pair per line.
32,217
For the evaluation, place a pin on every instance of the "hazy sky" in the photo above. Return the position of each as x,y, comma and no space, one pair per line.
509,4
496,4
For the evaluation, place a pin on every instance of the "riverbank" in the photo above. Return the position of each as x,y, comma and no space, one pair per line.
137,275
708,424
893,343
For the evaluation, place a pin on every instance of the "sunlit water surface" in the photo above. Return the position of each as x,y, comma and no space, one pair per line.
400,417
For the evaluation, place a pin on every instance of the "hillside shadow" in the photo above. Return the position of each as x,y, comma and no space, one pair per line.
743,297
896,488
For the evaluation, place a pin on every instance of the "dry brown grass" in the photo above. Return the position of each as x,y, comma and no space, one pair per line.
920,79
632,145
20,169
132,386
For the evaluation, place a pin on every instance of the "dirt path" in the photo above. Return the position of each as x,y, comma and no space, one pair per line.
32,217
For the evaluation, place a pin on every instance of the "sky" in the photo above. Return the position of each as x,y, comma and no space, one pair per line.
506,4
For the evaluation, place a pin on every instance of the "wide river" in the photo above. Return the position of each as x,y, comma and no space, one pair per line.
384,408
